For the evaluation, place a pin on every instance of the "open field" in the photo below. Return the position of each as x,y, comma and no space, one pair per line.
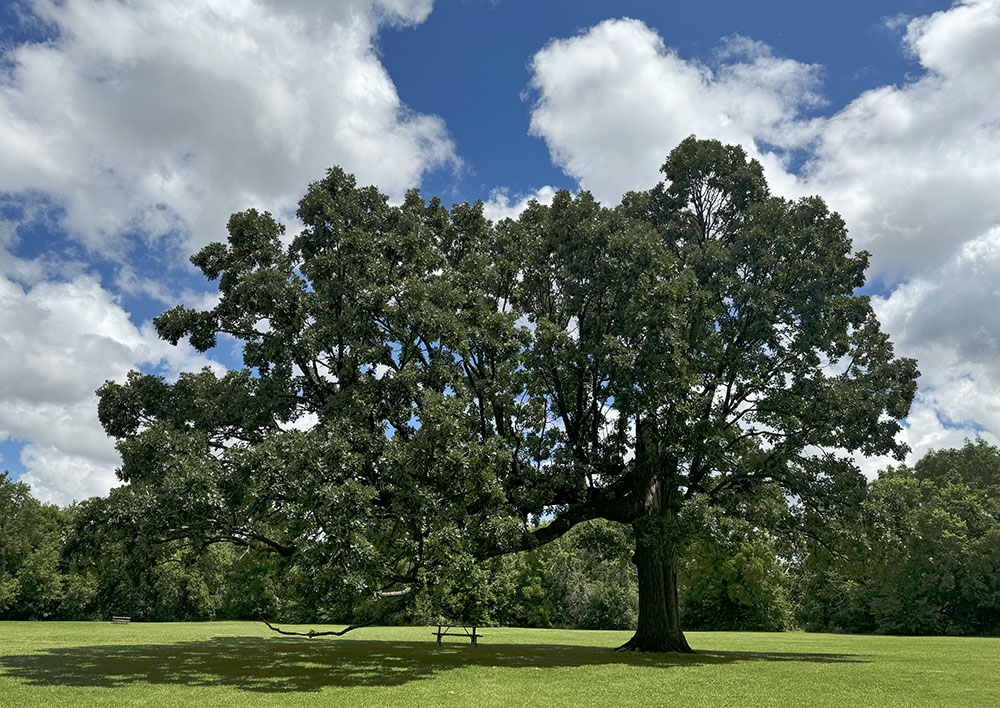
244,664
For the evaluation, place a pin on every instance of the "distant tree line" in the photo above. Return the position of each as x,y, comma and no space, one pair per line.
919,555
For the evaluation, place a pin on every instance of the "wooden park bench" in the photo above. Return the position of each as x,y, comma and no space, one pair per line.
121,620
447,632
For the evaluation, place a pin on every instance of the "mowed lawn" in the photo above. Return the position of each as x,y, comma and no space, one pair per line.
244,664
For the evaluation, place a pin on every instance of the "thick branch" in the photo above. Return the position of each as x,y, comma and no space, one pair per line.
611,504
313,633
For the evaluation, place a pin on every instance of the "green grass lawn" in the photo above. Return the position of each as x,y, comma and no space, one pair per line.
244,664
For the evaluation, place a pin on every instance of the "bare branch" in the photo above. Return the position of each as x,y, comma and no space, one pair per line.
313,633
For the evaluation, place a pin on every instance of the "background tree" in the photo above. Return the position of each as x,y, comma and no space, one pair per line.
176,580
421,386
734,570
33,580
925,558
583,580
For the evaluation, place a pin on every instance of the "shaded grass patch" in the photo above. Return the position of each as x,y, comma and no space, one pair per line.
280,664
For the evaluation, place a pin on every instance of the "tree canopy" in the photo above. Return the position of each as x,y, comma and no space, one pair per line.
421,387
923,557
33,533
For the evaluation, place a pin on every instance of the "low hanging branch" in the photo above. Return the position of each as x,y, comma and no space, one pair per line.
335,633
313,633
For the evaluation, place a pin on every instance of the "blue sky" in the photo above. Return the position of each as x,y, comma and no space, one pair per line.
475,55
129,132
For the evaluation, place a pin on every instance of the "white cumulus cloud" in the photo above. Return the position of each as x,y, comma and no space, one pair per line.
158,119
915,168
612,102
59,341
501,205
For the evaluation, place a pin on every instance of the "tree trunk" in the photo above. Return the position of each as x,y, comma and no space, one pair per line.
655,558
659,625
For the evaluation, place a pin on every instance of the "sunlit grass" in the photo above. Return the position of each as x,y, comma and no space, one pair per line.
244,664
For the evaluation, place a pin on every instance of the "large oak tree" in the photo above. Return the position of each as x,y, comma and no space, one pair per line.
423,388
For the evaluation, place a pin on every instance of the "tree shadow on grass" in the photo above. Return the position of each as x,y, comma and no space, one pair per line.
278,665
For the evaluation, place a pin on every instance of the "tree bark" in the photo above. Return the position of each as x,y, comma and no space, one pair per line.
659,625
656,549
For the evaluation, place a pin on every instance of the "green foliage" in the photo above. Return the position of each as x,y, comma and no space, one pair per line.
919,555
33,582
734,574
940,574
735,583
721,327
583,580
421,386
923,559
171,581
366,327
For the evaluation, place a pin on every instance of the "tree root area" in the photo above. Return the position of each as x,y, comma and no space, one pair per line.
645,645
